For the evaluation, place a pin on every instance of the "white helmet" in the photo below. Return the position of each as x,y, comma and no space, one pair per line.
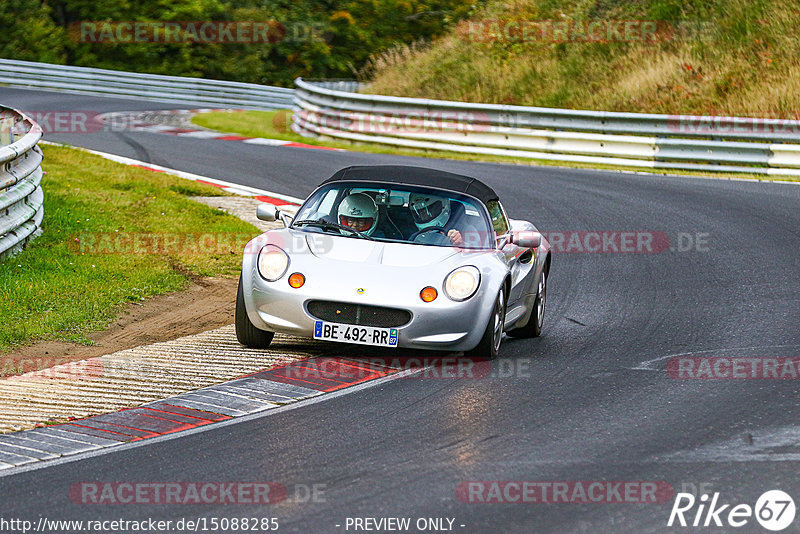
429,210
359,212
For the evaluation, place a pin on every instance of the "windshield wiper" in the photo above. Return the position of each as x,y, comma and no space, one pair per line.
331,225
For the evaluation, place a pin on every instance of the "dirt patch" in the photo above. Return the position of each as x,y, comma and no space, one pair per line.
206,304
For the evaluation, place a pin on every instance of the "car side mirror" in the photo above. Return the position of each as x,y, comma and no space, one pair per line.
285,218
526,239
267,212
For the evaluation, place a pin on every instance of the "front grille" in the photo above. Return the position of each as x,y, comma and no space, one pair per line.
358,314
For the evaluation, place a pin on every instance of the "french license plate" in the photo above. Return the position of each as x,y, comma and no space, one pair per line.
362,335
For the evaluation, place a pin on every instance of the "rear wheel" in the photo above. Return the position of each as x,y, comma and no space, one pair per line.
247,334
534,326
489,345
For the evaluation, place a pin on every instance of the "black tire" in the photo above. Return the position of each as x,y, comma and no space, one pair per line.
247,334
536,321
489,345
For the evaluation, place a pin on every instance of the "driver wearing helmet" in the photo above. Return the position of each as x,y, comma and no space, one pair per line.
359,212
433,211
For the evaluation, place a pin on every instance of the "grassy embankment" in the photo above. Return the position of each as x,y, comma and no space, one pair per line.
717,57
76,276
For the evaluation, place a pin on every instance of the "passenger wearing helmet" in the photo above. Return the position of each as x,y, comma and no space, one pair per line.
359,212
434,211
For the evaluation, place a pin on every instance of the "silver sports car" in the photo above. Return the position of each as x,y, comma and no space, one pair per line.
395,256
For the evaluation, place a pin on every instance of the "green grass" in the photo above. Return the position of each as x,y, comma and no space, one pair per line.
710,57
58,289
270,124
273,125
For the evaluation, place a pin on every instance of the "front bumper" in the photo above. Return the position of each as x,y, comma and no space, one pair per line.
439,325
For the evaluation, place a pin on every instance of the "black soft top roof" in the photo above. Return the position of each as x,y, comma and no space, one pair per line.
408,175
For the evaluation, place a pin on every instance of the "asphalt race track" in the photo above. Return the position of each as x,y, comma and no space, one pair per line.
589,401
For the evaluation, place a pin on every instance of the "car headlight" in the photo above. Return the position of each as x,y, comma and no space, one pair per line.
272,262
462,283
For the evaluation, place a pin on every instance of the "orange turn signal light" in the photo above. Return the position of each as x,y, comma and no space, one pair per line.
428,294
297,280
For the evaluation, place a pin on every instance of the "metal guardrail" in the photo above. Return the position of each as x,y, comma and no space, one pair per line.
21,196
348,86
120,84
728,144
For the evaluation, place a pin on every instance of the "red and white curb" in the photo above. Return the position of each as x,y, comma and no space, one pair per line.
251,394
150,121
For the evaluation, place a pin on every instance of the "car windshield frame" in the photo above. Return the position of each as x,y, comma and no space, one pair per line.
311,208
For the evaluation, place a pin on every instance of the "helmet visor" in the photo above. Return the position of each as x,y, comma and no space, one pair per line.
424,211
359,224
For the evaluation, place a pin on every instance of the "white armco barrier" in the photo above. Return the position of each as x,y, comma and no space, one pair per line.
726,144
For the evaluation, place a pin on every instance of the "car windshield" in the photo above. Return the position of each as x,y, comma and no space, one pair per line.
399,213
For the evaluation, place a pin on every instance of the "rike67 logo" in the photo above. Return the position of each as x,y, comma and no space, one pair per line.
774,510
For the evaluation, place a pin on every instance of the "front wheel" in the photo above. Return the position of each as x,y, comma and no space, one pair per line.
247,334
534,326
489,345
